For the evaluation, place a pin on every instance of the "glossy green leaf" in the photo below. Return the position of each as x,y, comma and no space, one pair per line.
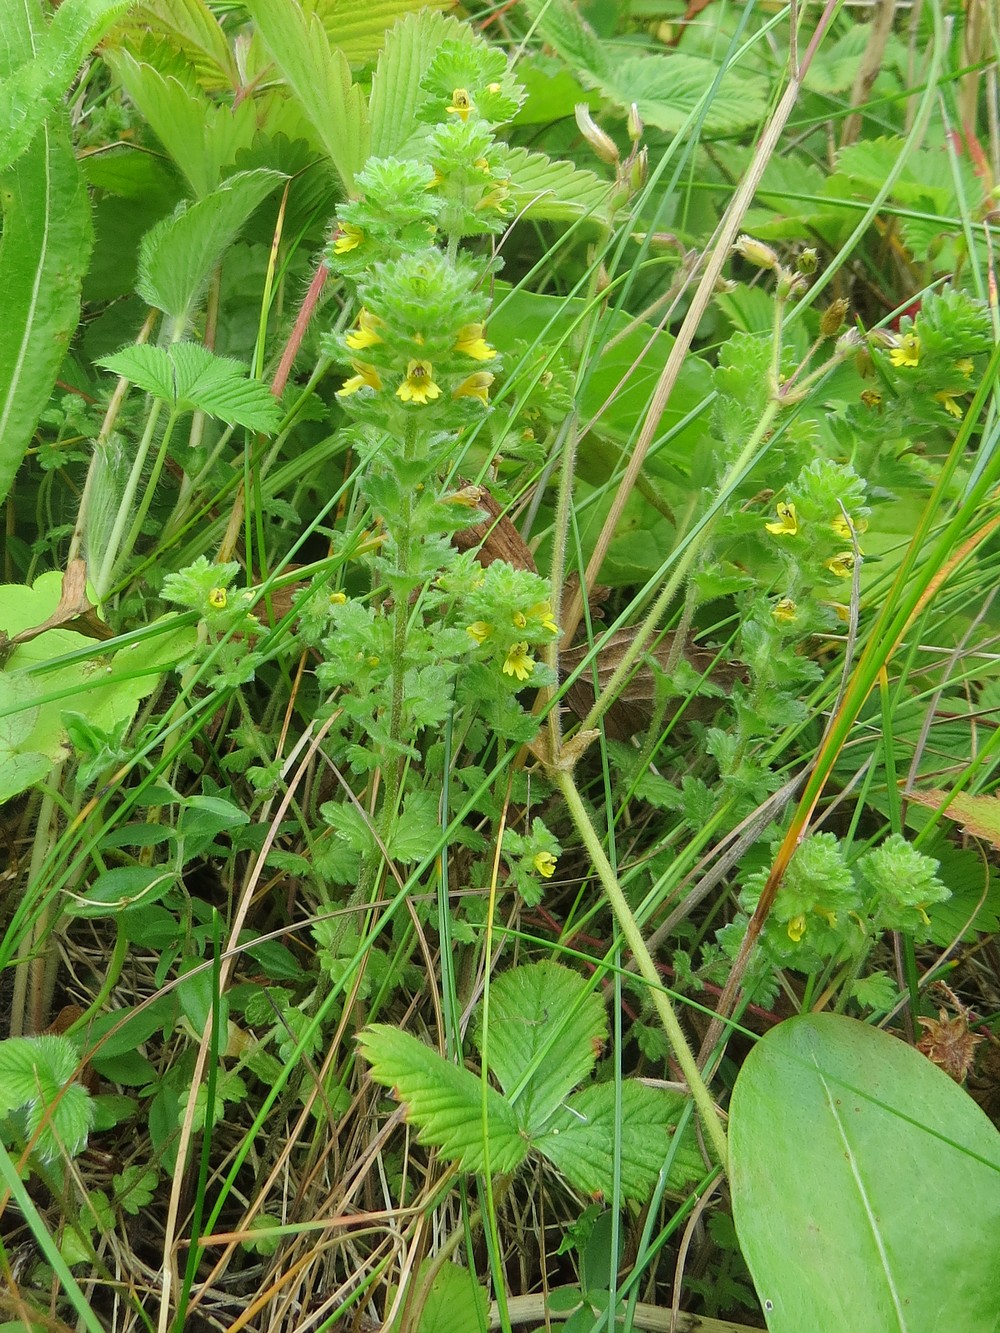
865,1183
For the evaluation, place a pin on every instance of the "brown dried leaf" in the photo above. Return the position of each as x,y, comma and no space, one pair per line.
632,711
75,610
496,537
978,815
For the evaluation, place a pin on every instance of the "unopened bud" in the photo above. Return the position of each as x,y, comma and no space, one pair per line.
634,122
756,252
789,285
849,342
832,320
807,262
602,144
638,172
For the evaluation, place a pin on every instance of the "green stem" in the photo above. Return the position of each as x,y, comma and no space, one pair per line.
102,580
647,968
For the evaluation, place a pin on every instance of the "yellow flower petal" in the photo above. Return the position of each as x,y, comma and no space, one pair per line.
908,351
964,366
518,661
796,928
479,630
545,864
349,238
419,386
476,386
542,611
787,524
470,342
218,599
365,334
842,528
947,401
461,104
364,377
785,610
841,566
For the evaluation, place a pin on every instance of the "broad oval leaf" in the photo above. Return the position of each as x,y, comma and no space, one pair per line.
866,1185
121,888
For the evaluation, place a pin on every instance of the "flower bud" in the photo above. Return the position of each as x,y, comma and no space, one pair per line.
832,320
602,144
756,252
638,172
635,125
807,262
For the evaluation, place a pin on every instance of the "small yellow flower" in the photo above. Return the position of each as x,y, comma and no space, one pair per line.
476,386
419,386
519,619
461,104
518,661
482,164
841,611
843,530
841,566
908,351
785,610
479,630
349,238
797,928
218,599
373,661
338,598
542,611
364,377
947,401
468,497
545,864
470,342
365,334
872,399
787,524
965,366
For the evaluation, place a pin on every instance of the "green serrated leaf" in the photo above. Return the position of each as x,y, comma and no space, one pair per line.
360,30
445,1102
557,191
177,256
319,76
191,29
580,1137
35,75
417,831
545,1029
395,94
135,1188
36,1075
191,378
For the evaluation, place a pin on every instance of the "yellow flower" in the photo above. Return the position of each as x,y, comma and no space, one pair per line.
419,386
871,399
338,598
797,928
842,528
476,386
947,401
785,610
908,351
542,611
471,342
461,104
965,366
364,377
518,661
545,864
787,524
479,630
348,238
364,335
841,566
519,619
218,599
841,611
